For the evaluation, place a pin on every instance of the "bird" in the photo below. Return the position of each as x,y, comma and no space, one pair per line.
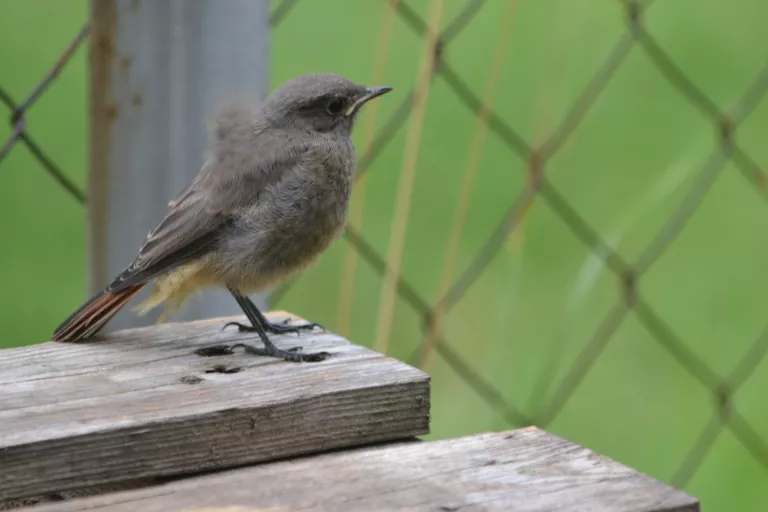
270,197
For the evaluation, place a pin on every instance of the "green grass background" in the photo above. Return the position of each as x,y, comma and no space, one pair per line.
533,310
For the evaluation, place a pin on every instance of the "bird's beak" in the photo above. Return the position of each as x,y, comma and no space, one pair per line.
372,92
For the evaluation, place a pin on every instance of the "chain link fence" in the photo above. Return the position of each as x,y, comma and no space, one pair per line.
435,65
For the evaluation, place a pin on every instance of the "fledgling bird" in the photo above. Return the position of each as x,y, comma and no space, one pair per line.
271,196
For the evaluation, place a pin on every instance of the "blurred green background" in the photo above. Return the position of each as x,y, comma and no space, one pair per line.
538,303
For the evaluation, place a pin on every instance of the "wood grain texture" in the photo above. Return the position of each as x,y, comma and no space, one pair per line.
526,470
140,403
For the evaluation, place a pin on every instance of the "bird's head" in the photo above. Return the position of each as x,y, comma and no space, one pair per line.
322,102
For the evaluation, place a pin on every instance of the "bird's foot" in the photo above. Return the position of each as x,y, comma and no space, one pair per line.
277,328
294,354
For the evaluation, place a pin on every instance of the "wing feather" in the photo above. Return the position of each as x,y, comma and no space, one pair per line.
203,212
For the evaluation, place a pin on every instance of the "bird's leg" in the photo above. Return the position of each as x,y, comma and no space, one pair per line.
266,325
256,318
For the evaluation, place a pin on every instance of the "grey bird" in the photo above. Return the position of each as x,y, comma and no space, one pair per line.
270,198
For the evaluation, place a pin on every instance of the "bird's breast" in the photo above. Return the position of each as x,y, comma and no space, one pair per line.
294,223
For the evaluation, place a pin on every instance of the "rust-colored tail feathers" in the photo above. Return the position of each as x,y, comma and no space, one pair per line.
89,318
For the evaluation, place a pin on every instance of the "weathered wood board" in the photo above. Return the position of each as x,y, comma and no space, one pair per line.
526,470
140,403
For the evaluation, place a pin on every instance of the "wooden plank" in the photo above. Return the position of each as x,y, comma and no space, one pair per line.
141,403
526,470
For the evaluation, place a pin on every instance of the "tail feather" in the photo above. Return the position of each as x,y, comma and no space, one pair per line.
89,318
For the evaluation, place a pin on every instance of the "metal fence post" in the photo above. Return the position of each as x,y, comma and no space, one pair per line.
158,71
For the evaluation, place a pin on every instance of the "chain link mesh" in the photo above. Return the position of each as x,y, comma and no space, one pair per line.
725,149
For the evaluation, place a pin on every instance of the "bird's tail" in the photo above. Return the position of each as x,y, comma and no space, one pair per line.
89,318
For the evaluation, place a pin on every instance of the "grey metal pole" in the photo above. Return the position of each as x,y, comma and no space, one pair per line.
159,70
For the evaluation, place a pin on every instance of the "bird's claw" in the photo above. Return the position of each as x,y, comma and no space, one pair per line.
240,327
291,354
277,328
284,328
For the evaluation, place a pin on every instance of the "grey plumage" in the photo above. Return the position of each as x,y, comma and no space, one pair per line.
271,196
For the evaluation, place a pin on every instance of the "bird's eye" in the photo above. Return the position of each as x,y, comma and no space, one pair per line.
335,107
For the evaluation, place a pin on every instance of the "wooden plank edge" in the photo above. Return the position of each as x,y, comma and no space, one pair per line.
526,469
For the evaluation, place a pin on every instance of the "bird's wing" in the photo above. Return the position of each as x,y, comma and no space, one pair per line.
200,213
